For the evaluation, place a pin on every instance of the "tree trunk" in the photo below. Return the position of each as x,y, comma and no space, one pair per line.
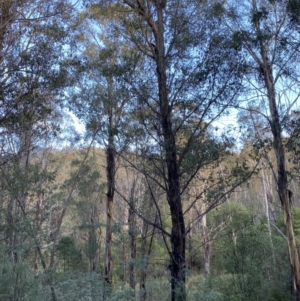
206,246
153,14
109,209
282,181
143,275
177,264
265,192
145,256
92,240
5,17
110,176
132,236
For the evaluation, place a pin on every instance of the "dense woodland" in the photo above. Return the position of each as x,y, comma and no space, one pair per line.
156,196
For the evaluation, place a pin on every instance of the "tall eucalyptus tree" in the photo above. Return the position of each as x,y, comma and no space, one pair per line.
187,79
32,35
101,100
270,44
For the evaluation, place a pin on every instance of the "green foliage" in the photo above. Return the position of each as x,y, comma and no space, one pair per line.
251,261
115,83
18,281
258,15
201,290
75,285
194,253
123,294
68,253
296,223
218,9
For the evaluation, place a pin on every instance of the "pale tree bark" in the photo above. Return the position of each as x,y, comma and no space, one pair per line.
262,28
267,212
282,179
132,231
92,239
206,245
132,198
266,71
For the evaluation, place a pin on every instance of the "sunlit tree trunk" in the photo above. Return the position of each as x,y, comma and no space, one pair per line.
262,32
206,245
267,213
282,179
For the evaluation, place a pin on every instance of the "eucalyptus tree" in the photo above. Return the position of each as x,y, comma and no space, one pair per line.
101,99
32,34
187,79
269,42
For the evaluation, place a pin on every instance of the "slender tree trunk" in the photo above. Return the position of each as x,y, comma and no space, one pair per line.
145,255
270,199
143,278
190,262
143,274
39,211
92,240
206,246
265,192
48,279
132,250
5,16
110,175
132,237
110,153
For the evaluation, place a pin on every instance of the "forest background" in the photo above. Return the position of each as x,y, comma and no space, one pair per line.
153,200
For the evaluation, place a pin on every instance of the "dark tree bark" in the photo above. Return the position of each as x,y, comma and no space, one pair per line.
110,173
132,236
177,237
156,29
5,19
177,265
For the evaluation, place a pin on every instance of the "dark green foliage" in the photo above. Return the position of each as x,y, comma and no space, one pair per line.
253,264
293,8
113,75
218,9
259,15
69,255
